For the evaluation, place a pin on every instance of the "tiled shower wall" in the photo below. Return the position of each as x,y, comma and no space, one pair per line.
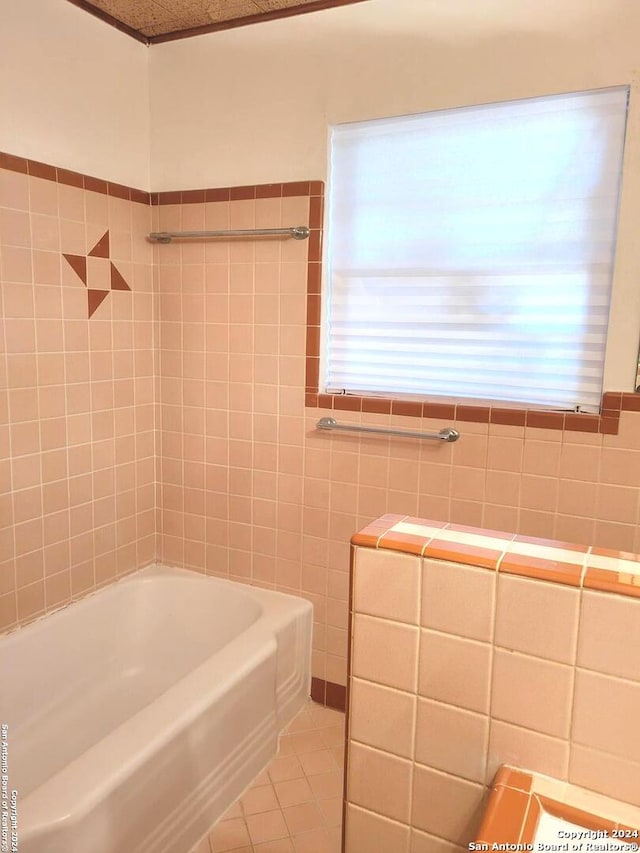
251,490
77,451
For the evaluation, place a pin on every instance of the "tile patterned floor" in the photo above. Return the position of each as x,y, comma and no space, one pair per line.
295,805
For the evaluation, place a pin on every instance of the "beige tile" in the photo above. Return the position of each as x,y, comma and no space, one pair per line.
569,528
385,652
332,737
539,492
446,806
233,811
303,817
293,792
598,771
613,651
505,454
421,842
338,754
610,534
520,747
579,461
267,826
532,693
261,780
327,717
321,761
14,190
285,768
496,517
302,742
454,670
577,498
382,717
331,809
369,832
606,714
229,834
537,618
303,721
617,503
541,457
386,584
315,841
280,845
326,785
451,740
458,599
471,451
379,782
468,483
535,523
628,432
259,799
503,487
619,466
336,664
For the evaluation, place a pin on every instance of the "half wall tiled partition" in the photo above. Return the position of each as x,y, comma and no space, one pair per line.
473,649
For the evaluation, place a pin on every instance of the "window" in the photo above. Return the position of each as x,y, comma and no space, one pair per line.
470,252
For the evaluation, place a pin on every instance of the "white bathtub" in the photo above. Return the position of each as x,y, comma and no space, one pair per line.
137,715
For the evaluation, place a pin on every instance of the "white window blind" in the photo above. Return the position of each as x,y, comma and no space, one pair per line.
471,251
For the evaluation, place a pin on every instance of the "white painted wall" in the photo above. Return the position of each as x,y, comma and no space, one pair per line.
74,92
253,105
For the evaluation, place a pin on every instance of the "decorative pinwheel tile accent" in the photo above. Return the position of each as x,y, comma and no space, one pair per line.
78,264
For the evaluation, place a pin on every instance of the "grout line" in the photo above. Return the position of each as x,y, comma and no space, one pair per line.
326,828
574,671
492,655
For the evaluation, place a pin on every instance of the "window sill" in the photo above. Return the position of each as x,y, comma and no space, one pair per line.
605,423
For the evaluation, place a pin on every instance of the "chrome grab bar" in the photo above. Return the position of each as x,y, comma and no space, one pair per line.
445,434
298,232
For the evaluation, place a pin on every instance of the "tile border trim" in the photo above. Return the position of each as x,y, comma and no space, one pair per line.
284,189
36,169
606,423
328,694
548,560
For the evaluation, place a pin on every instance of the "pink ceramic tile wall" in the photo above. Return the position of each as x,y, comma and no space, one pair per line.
251,490
457,670
77,450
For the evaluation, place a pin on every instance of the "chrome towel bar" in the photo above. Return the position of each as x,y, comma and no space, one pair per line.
445,434
298,232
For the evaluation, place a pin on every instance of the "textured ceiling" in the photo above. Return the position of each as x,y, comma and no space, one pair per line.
162,20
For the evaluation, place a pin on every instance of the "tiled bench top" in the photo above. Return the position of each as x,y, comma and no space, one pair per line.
544,559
